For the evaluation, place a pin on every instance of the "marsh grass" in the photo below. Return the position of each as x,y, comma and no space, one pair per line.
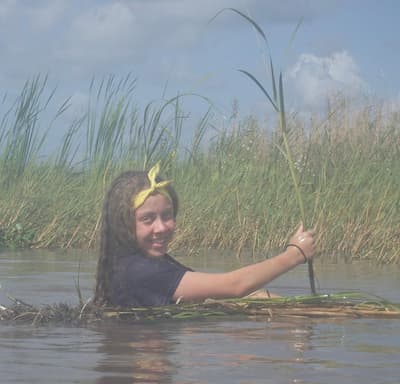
350,175
236,191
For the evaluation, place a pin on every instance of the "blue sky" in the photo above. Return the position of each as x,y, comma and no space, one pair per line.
346,46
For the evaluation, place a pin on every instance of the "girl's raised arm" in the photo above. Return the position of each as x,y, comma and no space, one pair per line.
245,280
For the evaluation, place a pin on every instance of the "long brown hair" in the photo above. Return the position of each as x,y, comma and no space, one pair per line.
117,235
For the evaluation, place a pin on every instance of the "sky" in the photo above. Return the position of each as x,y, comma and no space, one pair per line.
172,47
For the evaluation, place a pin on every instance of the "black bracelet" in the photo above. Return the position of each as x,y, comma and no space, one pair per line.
301,251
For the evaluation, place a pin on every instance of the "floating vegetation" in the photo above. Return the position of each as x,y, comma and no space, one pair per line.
351,305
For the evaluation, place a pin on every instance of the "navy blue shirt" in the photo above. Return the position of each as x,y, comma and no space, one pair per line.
146,281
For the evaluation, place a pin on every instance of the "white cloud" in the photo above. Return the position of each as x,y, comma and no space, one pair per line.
159,41
107,23
71,36
6,8
314,78
40,14
101,34
45,15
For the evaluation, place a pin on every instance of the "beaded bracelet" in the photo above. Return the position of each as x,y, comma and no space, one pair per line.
301,251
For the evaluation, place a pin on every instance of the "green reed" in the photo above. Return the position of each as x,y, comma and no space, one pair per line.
277,100
20,139
55,200
350,176
234,189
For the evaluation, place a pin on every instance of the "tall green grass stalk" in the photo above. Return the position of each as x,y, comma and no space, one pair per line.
278,103
21,138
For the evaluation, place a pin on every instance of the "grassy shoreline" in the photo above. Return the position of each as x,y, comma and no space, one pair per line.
235,190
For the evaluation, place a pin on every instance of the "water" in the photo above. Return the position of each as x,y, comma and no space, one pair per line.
208,351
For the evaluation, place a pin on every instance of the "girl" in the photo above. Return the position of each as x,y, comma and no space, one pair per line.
134,269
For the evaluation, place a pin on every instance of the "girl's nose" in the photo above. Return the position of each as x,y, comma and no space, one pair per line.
160,225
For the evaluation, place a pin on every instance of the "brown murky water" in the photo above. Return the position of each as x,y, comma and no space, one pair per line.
214,351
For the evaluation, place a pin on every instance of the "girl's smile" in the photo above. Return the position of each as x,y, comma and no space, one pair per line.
155,225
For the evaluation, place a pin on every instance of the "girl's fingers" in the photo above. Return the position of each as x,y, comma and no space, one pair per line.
300,229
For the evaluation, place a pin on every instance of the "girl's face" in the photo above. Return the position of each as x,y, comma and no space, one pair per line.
155,225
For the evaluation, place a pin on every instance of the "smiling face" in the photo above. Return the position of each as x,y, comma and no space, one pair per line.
155,225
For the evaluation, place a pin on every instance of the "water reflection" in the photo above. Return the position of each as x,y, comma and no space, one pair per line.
203,352
212,351
135,354
243,351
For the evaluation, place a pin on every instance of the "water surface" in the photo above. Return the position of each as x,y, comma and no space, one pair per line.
207,351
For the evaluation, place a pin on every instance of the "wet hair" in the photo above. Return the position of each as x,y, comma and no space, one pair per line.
117,235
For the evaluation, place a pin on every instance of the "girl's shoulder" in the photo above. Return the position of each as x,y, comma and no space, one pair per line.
139,263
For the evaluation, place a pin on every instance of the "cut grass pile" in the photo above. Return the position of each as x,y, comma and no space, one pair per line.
342,305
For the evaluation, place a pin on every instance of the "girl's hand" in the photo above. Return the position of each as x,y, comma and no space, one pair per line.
304,242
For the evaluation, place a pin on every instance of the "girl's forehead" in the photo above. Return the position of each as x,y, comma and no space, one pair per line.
155,202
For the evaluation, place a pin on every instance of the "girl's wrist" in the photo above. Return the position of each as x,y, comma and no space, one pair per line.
300,250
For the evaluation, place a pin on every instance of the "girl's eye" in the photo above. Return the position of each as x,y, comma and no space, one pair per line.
167,215
146,219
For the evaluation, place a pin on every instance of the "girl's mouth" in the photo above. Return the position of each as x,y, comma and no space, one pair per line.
160,242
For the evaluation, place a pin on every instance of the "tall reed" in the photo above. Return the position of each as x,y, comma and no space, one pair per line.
278,103
51,199
237,195
234,189
21,138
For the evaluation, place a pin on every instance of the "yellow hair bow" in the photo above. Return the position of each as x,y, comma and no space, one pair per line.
141,197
